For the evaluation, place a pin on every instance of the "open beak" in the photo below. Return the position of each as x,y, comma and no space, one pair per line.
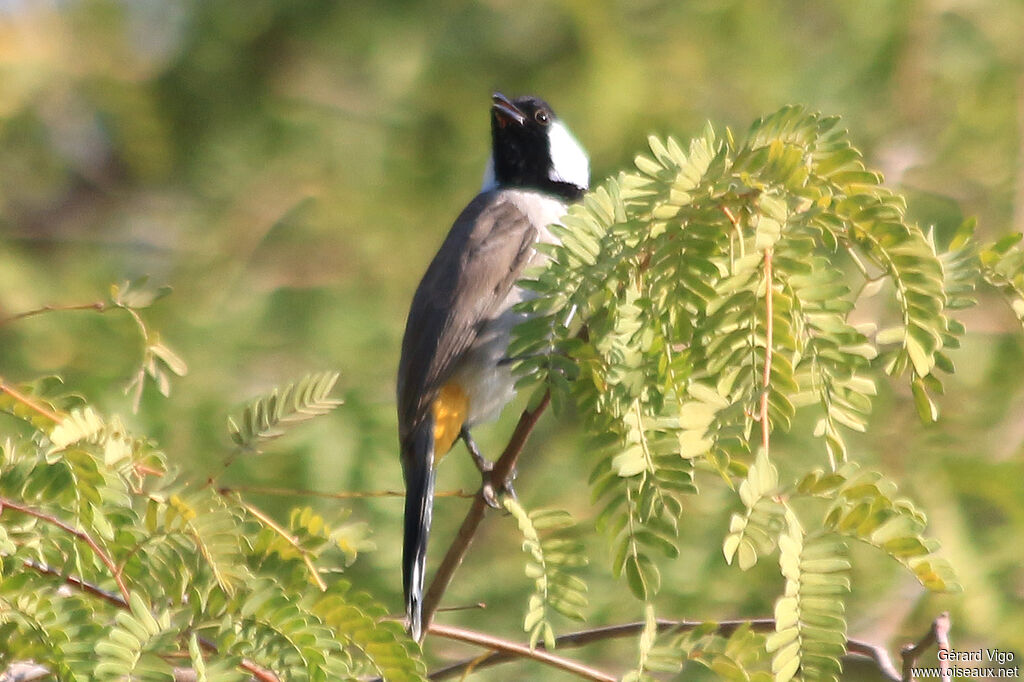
506,112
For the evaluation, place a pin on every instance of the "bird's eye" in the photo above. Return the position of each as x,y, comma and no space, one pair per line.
542,117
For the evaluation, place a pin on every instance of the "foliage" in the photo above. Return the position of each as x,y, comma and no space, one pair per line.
266,418
169,568
289,168
692,308
556,589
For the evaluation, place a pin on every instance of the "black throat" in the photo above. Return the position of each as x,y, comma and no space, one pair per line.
522,153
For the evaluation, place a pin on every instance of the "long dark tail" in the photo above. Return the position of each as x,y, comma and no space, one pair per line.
419,470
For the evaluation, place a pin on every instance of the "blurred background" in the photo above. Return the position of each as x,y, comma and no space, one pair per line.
289,168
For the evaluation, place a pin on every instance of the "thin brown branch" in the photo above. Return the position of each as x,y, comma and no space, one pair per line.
345,495
768,332
724,628
95,305
520,651
460,545
84,586
80,534
290,539
937,634
30,403
261,674
738,236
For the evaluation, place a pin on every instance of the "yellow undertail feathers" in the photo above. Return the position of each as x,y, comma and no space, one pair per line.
451,407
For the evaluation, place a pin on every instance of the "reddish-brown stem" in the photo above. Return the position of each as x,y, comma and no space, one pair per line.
81,535
86,587
29,402
460,545
517,650
766,379
283,533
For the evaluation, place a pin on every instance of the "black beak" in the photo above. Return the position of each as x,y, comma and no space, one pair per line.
506,112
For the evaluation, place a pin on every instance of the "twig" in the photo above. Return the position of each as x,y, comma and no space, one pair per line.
766,386
87,587
345,495
937,634
725,628
95,305
520,651
290,539
499,474
739,236
29,402
81,535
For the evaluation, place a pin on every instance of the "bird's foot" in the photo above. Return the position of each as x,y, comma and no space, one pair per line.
492,491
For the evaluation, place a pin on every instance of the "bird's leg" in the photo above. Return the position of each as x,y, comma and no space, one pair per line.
485,467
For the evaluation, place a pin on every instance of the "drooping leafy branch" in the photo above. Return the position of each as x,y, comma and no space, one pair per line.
712,289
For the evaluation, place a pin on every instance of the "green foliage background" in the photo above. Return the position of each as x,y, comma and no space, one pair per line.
288,168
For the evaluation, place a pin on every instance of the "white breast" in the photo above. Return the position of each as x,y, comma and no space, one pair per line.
484,374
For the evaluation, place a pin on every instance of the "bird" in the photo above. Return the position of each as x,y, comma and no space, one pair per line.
454,372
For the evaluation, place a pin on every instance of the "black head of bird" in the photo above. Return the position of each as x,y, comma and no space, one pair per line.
532,148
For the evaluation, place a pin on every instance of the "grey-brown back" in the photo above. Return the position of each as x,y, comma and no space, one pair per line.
474,270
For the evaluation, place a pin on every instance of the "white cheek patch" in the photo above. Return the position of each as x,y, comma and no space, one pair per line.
569,163
490,182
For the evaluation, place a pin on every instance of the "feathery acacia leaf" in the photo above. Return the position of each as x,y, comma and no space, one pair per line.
551,559
268,417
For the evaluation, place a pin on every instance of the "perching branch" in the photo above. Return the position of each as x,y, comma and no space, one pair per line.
725,628
938,634
499,474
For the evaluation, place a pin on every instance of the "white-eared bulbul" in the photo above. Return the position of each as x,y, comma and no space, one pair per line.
454,372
